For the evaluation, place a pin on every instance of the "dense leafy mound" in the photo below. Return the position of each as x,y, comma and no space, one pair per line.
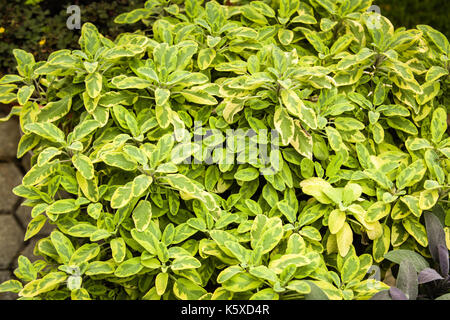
259,150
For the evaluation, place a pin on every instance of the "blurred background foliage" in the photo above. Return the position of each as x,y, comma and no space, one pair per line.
409,13
39,26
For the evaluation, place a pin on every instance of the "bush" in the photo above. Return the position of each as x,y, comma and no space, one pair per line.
263,150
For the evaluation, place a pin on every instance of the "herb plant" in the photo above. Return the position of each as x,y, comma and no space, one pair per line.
416,280
260,150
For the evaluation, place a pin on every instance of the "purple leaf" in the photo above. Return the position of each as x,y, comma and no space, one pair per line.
381,295
428,275
397,294
435,234
443,259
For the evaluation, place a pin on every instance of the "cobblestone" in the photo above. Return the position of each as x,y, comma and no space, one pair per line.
10,177
11,240
9,138
12,224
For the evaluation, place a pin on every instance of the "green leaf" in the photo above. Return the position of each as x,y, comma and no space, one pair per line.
205,58
428,199
348,124
278,265
336,221
185,289
146,239
350,268
119,160
381,245
437,38
302,141
11,286
344,239
84,165
48,154
327,5
34,226
284,125
377,211
85,253
100,267
88,187
82,230
47,283
163,115
414,144
90,39
141,184
47,130
247,174
122,196
314,186
265,294
161,283
299,286
416,230
285,36
411,174
38,173
402,124
296,107
94,84
438,124
24,94
129,268
63,206
84,129
142,215
25,270
185,262
266,233
202,98
55,110
118,249
124,82
63,246
241,282
287,210
351,60
162,96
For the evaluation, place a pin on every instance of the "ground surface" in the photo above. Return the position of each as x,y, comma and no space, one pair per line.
13,217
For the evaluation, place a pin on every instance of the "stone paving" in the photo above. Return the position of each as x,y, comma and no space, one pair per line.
13,217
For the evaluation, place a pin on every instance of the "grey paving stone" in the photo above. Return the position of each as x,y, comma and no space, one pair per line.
23,213
9,138
28,252
11,240
10,177
26,161
4,276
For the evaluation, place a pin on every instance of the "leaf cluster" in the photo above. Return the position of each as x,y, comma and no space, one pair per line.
351,114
